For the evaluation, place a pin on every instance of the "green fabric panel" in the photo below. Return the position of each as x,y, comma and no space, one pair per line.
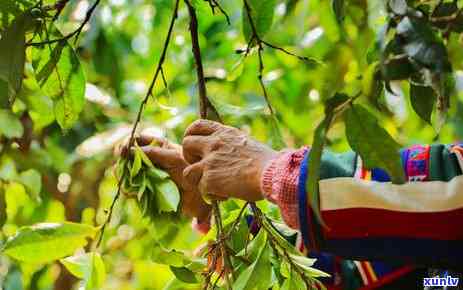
337,164
350,276
443,164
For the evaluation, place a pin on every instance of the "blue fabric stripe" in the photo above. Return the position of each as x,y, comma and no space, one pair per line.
421,251
377,174
404,158
302,201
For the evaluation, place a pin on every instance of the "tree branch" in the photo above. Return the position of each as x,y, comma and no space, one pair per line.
204,109
214,4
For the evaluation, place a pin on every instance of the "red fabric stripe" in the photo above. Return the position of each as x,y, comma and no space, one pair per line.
367,222
389,278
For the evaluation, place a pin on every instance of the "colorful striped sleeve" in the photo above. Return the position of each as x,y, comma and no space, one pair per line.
367,217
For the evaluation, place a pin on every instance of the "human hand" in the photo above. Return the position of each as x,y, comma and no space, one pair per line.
168,156
225,161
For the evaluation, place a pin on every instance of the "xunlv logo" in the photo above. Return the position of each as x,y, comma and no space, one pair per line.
437,281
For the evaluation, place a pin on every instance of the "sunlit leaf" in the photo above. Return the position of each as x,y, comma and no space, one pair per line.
167,257
136,164
32,180
89,267
60,75
46,242
168,196
11,126
261,267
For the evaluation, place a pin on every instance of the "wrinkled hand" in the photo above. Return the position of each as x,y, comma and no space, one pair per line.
225,161
168,156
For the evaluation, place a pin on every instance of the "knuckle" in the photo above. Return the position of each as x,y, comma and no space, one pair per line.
187,143
217,144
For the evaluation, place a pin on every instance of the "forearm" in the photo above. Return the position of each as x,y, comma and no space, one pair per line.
375,219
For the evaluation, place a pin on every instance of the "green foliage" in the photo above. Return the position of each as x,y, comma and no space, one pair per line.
157,194
11,126
47,242
59,73
89,267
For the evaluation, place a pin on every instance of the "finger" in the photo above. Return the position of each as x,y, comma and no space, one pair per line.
194,148
163,157
193,173
203,128
142,140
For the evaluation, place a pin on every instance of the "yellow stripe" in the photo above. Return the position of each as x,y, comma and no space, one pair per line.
371,271
368,175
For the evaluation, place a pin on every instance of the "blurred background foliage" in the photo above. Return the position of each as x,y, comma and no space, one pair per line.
53,171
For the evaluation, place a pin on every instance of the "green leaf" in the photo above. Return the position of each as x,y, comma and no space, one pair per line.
372,86
276,235
334,102
184,274
13,55
338,8
255,246
136,164
143,157
259,274
293,281
157,173
32,180
60,75
314,166
399,68
262,17
374,144
87,266
276,139
422,99
168,196
306,265
11,126
46,242
172,257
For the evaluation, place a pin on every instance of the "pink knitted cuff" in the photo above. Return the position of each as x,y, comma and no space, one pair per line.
279,184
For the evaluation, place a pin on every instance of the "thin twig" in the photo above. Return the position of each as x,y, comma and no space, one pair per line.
214,4
204,107
75,33
277,247
138,118
260,48
300,57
